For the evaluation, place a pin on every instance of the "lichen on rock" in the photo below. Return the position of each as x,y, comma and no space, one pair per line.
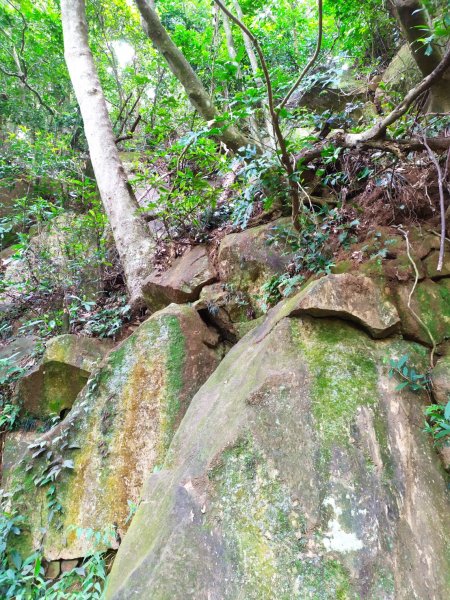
308,476
117,432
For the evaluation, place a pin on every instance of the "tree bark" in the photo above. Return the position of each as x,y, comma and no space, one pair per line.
415,24
186,75
131,236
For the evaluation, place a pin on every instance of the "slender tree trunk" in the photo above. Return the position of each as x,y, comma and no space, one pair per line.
253,125
254,66
185,74
230,43
415,23
130,233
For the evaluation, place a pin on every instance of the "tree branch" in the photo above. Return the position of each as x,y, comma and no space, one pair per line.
379,129
23,79
311,61
131,131
441,178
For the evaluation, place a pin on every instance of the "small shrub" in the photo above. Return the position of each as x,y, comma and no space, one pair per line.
438,422
416,382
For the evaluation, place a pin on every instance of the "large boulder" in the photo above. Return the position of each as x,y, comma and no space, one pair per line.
440,380
351,297
431,304
17,354
401,74
93,463
228,310
52,386
15,444
248,259
335,97
298,471
182,282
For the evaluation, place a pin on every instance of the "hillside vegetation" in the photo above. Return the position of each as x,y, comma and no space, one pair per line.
224,299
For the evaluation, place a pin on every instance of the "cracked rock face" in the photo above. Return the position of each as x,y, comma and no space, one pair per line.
298,471
117,432
440,379
52,386
353,297
182,282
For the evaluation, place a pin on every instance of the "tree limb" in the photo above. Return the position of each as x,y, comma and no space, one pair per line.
131,131
311,61
380,127
22,77
186,75
441,178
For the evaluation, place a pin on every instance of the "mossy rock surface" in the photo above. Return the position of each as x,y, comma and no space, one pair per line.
182,282
440,379
431,303
115,435
52,386
249,259
297,472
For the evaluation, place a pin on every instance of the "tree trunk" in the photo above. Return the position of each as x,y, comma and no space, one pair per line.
415,23
130,233
186,75
230,43
254,66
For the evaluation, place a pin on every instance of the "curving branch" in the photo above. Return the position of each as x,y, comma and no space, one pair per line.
380,127
23,78
311,61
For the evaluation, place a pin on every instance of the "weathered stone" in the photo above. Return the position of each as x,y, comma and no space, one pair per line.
15,444
247,260
440,380
53,570
68,565
225,309
444,455
351,297
182,282
52,386
431,302
401,75
336,96
384,256
431,263
117,432
18,352
299,471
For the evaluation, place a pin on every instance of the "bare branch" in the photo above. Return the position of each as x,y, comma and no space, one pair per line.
379,129
441,178
131,131
23,79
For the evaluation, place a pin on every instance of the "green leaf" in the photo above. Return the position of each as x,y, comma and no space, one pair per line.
447,411
402,385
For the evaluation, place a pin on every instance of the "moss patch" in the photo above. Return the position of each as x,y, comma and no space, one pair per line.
265,532
343,375
170,412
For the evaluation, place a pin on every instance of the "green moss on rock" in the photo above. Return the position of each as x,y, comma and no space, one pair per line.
118,430
265,532
343,376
